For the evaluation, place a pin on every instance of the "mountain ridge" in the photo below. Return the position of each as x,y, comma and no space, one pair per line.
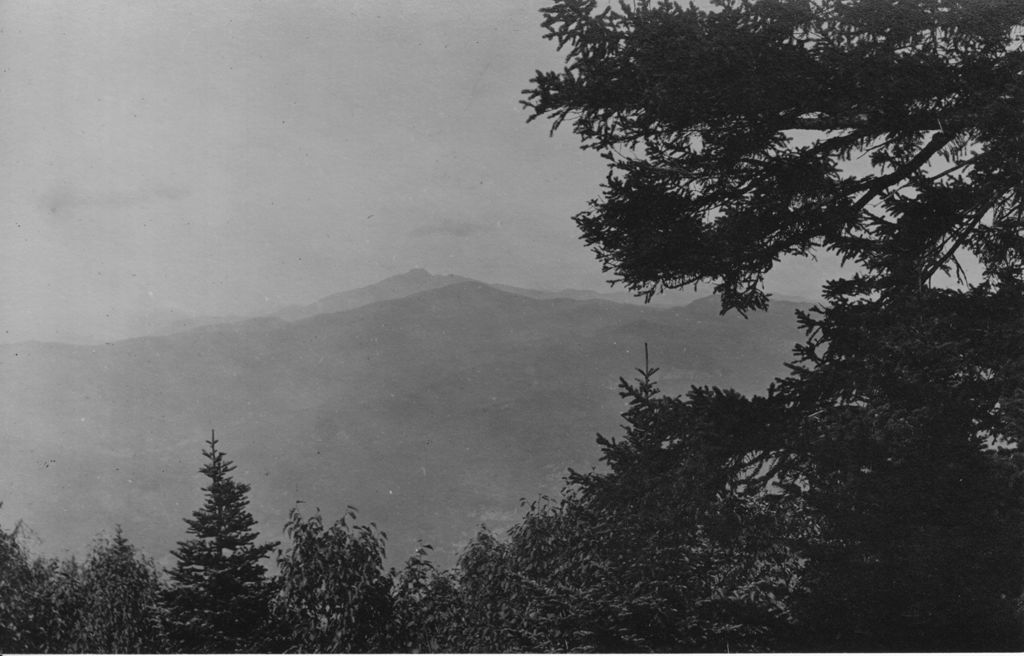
431,412
397,286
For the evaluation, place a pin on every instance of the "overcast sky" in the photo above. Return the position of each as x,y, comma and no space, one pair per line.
235,156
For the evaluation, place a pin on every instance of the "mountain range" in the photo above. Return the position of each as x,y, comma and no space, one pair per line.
433,404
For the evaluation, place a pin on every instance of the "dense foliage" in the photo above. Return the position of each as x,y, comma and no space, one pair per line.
889,133
630,560
334,594
108,605
119,610
36,596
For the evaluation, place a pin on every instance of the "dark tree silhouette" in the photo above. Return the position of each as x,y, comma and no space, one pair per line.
889,133
219,598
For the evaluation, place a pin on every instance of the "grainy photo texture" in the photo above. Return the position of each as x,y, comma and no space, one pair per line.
489,326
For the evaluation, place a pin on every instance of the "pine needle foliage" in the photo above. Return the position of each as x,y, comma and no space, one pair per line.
218,600
888,133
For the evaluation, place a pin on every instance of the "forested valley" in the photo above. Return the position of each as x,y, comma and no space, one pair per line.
870,500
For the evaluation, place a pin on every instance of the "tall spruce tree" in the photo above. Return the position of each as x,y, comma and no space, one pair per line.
887,132
219,598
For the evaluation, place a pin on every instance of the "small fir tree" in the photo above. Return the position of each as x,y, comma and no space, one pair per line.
219,598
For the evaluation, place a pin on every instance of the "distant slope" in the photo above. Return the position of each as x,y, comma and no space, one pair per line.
420,280
400,286
432,413
98,330
674,298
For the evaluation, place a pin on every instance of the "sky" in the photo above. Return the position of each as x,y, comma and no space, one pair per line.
231,158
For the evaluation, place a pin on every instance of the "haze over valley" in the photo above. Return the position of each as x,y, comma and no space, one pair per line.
431,403
211,216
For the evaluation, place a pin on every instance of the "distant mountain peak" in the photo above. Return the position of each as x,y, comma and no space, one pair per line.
415,272
411,282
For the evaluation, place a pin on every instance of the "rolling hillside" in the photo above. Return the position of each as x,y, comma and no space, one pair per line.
432,412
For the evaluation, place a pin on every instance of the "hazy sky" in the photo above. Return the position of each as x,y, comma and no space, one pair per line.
236,156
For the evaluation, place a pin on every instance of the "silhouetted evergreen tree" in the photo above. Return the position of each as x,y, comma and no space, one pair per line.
663,551
218,601
888,133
